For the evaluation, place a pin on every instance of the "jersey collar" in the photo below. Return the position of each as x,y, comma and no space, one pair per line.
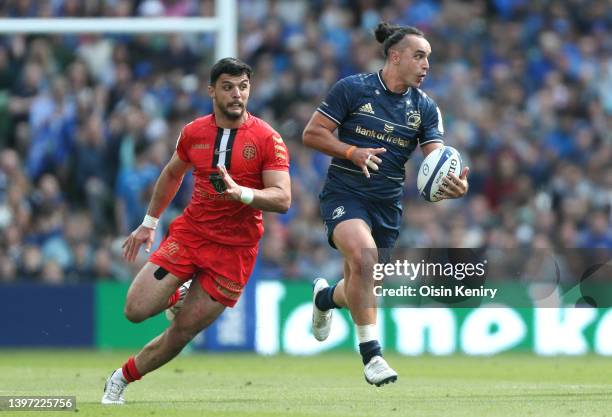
384,86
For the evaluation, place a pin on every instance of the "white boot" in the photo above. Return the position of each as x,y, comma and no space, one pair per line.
114,388
378,372
321,320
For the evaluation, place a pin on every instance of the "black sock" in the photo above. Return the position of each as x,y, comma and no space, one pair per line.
368,350
325,299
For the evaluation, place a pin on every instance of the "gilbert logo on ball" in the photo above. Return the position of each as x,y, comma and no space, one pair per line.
434,168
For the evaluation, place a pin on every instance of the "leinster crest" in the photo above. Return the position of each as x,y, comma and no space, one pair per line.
413,119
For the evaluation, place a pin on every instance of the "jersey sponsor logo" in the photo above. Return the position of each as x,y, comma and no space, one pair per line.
214,197
217,182
386,137
338,212
249,151
413,119
200,146
367,108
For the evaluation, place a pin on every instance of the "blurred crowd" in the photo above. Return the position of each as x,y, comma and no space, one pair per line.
88,121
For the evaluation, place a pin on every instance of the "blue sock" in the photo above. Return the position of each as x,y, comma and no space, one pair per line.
368,350
325,299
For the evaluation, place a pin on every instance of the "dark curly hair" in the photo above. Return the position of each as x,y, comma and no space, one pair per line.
231,66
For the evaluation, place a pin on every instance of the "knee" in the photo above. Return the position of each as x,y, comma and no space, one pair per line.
361,261
133,313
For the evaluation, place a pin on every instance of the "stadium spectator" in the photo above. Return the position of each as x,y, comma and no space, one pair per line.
134,188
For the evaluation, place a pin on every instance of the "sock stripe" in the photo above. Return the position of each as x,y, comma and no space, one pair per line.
126,373
133,371
173,299
130,373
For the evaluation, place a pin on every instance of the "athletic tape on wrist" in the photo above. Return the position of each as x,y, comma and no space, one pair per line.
150,222
246,195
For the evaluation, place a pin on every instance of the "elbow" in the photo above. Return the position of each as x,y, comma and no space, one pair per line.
167,176
285,204
307,137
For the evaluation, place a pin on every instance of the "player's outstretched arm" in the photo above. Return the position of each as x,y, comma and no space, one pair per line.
275,196
165,189
319,135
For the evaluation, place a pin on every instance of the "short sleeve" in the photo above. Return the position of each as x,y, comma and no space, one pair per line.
432,128
182,147
276,155
336,105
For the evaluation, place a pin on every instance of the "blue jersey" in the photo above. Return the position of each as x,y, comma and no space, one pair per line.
369,115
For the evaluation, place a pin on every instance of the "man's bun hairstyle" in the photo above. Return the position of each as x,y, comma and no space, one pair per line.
388,35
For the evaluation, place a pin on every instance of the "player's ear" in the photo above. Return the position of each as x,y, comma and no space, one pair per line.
394,56
211,91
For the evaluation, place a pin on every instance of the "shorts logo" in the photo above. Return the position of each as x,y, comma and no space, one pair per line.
249,151
425,169
170,250
338,212
228,288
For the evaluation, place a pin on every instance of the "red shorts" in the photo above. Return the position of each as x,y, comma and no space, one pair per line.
221,270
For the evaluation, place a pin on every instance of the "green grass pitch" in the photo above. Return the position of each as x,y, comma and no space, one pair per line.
246,385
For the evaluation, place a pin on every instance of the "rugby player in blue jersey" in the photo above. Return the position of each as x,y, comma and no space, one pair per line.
381,118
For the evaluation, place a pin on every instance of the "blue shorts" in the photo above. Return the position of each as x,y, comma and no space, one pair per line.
383,217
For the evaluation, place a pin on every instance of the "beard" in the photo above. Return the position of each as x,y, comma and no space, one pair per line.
231,115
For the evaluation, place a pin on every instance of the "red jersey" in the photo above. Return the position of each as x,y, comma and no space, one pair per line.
246,152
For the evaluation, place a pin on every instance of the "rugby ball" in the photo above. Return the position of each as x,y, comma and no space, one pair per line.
434,168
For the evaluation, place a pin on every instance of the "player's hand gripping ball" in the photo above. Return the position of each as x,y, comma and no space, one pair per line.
434,168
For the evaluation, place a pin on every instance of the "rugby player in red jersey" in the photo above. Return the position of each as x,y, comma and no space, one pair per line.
241,167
